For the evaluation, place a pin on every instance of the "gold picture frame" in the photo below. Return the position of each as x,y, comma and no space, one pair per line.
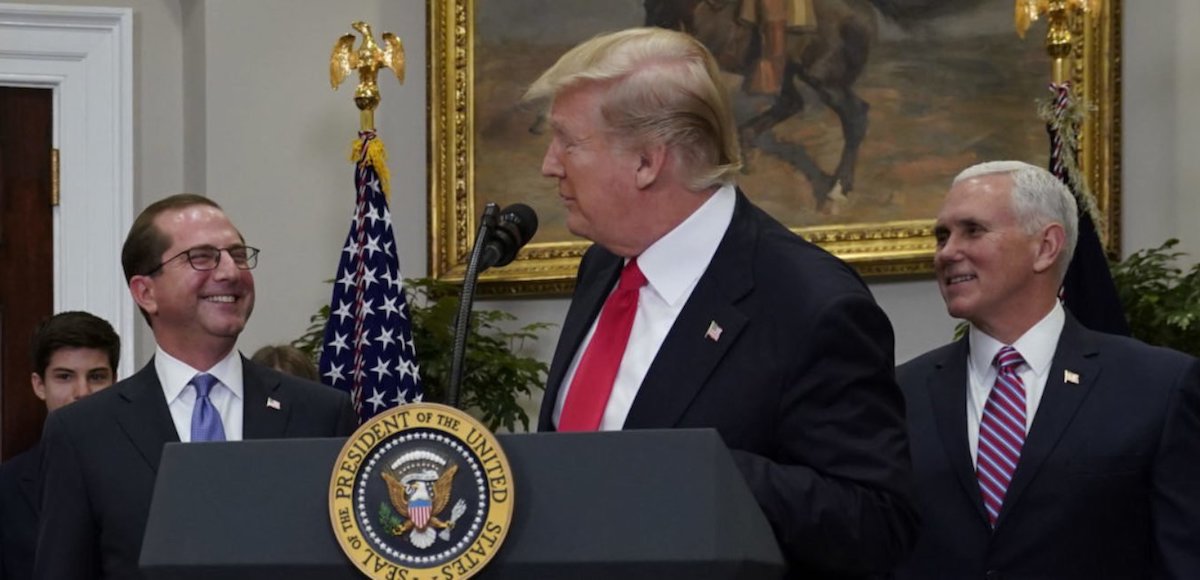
899,247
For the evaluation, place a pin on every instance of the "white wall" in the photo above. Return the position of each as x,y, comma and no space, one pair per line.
1186,48
158,110
276,139
233,100
1156,48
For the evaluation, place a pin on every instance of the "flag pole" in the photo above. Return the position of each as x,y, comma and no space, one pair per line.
1088,290
1063,115
368,347
1062,17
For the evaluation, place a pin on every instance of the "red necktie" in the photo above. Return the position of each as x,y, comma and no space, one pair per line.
1001,432
597,370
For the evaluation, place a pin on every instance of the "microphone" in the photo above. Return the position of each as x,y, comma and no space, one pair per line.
515,227
496,244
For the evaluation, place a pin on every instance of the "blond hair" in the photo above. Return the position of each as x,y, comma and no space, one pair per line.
665,88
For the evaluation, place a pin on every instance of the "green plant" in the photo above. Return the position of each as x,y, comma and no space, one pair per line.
1161,301
495,376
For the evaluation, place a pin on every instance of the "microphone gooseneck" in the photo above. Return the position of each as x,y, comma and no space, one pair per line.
497,242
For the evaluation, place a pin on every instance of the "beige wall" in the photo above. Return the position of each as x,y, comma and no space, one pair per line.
233,99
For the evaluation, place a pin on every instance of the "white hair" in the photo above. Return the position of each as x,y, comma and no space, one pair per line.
1038,200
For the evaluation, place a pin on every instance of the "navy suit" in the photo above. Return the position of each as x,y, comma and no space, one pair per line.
799,384
102,454
20,478
1108,483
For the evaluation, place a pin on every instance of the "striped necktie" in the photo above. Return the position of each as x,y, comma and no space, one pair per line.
1001,432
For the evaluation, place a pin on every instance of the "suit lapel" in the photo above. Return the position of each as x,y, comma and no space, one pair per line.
947,388
144,416
689,355
590,294
260,420
1060,400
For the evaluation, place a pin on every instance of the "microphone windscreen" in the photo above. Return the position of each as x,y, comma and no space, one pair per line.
524,218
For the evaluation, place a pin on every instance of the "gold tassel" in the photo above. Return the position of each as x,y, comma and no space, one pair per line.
376,155
1066,123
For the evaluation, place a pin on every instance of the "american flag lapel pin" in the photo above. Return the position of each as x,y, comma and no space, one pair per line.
714,331
273,404
1070,377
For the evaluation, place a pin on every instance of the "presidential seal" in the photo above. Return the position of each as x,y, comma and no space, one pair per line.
421,492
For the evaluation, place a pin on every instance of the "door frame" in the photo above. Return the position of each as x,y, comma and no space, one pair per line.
85,55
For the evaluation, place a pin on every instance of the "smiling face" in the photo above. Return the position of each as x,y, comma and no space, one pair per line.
193,311
987,264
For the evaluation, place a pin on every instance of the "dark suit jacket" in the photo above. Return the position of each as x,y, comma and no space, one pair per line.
800,385
20,477
1108,484
102,454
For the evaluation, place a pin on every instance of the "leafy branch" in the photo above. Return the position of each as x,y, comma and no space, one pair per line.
1161,301
496,376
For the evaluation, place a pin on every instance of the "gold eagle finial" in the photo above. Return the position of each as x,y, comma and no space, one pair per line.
1062,30
367,60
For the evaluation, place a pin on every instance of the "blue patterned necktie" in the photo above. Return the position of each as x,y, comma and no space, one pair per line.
206,422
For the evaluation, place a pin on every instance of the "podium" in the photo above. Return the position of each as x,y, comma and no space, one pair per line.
628,504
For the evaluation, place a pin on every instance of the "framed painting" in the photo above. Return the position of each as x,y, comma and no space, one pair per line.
932,85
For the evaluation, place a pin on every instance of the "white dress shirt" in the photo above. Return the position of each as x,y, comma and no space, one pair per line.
1036,346
227,396
672,266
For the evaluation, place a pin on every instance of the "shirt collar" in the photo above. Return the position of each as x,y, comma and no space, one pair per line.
1036,346
674,262
175,375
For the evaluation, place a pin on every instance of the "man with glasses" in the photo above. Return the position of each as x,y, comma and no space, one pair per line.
189,271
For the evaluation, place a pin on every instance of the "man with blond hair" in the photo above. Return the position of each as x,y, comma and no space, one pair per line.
696,309
1043,449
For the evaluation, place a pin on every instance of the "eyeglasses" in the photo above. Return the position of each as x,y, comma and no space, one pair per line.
208,258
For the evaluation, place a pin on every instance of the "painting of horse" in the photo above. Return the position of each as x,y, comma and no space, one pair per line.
827,56
883,101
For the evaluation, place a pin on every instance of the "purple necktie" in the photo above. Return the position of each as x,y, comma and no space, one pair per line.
206,422
1001,432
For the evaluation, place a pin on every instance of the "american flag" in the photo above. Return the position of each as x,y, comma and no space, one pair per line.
1088,290
368,348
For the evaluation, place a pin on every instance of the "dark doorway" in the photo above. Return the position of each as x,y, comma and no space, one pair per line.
26,256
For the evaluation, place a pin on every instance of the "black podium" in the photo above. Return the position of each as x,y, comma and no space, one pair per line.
630,504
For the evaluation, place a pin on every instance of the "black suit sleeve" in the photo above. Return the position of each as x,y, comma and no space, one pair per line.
1175,501
837,492
347,420
66,534
4,573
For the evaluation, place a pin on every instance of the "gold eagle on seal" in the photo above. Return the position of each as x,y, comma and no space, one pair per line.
420,496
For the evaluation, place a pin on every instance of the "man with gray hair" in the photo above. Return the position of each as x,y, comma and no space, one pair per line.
1043,449
697,309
